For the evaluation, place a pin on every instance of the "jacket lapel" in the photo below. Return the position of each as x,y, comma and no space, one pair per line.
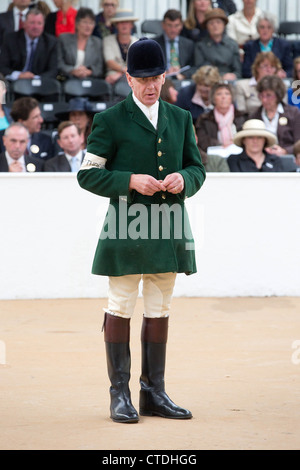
137,115
162,117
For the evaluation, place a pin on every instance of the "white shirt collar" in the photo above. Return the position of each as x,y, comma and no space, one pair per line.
151,112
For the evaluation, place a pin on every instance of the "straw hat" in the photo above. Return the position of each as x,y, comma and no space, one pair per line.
213,14
124,15
254,128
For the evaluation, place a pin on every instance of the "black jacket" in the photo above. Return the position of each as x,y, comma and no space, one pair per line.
13,54
242,162
37,162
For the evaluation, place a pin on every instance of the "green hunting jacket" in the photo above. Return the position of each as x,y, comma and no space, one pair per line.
142,234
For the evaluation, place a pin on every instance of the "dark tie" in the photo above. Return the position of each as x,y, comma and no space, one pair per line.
31,57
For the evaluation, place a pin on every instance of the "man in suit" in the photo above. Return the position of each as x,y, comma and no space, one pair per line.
29,52
150,163
26,110
13,20
14,159
178,50
70,139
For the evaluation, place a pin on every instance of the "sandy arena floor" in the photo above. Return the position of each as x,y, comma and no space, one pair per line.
234,362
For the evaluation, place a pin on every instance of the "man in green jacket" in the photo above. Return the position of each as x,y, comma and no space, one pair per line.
142,154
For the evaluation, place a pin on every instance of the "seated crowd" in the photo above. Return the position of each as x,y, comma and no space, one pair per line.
228,68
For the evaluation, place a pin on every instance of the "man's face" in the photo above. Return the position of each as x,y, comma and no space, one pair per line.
34,121
34,25
16,142
70,140
147,90
172,28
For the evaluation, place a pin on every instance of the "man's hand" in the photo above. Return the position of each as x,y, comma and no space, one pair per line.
276,150
26,75
15,167
146,184
174,183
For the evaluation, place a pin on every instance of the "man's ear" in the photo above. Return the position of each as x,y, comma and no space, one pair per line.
129,79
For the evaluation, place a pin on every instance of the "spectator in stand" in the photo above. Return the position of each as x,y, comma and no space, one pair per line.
115,46
245,92
193,27
30,52
62,20
168,92
13,19
5,117
80,54
294,90
178,50
218,126
218,49
70,139
196,97
228,6
242,24
26,110
280,118
104,26
266,27
14,158
254,138
81,113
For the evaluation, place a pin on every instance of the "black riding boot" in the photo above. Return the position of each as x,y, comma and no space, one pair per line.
153,399
116,336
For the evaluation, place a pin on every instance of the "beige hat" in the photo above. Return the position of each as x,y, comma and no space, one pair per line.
215,13
123,15
254,128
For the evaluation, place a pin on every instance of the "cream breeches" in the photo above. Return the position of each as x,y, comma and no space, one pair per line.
157,293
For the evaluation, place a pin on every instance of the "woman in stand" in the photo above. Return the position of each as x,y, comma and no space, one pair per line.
193,27
254,138
246,96
242,24
80,54
280,118
62,20
196,96
104,25
267,41
115,46
218,126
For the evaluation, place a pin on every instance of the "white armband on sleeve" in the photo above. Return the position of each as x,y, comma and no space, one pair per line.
93,161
